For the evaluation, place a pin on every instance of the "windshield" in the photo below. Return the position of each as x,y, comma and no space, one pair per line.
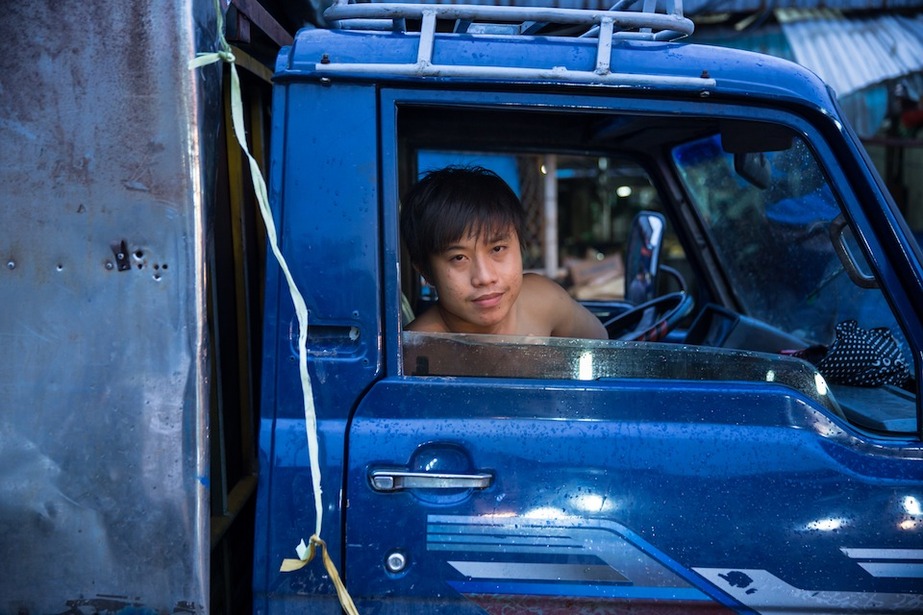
769,217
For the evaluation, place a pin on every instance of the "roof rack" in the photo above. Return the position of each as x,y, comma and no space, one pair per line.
628,19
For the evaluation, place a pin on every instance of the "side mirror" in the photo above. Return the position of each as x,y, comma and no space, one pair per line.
642,256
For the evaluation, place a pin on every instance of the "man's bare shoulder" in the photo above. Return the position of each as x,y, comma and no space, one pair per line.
546,301
542,300
429,322
537,286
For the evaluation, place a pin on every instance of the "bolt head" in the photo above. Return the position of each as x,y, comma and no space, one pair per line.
396,562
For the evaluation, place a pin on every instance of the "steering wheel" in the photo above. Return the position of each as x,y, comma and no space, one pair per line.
651,320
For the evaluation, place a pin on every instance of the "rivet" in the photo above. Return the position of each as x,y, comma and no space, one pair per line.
11,265
109,265
396,562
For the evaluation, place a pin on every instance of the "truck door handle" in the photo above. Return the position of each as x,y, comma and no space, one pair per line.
386,479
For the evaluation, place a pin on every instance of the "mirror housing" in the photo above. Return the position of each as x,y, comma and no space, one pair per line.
754,167
746,137
642,256
749,142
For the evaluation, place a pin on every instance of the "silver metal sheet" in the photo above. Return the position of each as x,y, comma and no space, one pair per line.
851,54
103,402
695,7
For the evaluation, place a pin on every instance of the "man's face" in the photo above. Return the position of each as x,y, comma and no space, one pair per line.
478,280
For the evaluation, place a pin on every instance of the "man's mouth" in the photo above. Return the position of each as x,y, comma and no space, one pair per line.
488,301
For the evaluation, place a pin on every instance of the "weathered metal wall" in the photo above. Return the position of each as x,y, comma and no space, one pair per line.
693,7
107,142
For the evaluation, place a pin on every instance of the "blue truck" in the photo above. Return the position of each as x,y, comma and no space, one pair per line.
748,440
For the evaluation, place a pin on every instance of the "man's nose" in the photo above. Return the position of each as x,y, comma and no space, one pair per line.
483,272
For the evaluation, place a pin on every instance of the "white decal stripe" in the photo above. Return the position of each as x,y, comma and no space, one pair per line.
763,591
545,541
511,530
608,542
890,569
883,553
499,538
538,572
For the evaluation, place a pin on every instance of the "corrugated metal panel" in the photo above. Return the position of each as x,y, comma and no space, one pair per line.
697,7
851,54
693,7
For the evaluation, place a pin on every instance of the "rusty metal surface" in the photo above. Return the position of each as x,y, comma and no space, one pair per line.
690,7
105,160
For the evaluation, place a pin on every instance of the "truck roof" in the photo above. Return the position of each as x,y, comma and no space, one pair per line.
522,45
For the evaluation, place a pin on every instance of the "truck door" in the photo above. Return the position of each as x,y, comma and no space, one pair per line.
502,474
618,477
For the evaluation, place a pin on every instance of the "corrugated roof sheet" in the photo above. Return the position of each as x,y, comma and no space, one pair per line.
851,54
694,7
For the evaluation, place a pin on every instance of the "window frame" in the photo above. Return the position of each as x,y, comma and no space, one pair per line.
394,101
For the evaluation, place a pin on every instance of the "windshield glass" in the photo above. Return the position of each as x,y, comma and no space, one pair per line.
769,217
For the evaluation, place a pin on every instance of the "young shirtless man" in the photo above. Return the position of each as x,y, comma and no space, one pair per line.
462,227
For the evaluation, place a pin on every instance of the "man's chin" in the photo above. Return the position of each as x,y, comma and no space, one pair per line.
487,325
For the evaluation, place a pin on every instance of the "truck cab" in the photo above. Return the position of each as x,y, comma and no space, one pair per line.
748,439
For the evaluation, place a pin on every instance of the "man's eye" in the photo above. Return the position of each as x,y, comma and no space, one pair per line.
500,248
457,258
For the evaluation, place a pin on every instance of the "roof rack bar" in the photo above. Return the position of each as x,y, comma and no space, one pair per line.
643,24
606,26
625,19
372,70
649,6
604,47
427,36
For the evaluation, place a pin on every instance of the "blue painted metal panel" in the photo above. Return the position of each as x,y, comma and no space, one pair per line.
324,191
328,197
674,487
731,69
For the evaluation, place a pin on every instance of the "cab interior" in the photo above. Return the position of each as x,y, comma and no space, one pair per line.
712,181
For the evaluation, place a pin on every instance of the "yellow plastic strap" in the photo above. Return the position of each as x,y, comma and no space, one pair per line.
301,308
305,554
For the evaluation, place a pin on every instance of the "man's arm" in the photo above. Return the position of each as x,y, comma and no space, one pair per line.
583,323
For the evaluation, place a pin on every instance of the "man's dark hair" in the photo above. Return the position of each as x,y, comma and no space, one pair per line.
450,202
